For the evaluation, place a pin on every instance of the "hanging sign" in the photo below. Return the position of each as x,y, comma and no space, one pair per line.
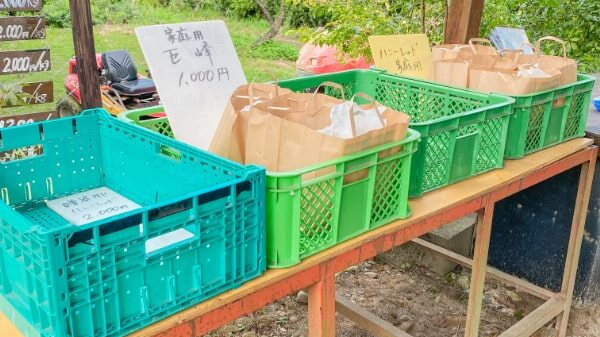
20,5
196,69
406,55
8,121
26,61
38,93
22,28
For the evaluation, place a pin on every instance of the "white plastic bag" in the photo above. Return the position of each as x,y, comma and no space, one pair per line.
348,113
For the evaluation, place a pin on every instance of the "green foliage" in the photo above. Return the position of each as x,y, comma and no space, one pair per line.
57,12
302,14
353,21
242,9
11,94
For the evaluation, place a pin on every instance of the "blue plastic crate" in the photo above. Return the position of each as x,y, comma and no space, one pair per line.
100,279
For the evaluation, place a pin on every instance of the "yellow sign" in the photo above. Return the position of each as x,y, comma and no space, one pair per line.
407,55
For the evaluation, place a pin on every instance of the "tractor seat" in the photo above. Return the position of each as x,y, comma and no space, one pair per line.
122,74
137,87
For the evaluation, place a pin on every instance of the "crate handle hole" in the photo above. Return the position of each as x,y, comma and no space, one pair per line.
22,153
170,152
168,240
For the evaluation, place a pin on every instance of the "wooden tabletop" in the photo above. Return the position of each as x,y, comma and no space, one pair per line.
422,208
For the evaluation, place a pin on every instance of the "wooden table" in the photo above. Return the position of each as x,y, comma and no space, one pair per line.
435,209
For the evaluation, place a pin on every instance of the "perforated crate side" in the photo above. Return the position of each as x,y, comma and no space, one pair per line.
101,279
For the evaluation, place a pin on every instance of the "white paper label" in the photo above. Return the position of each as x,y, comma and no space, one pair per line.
196,69
93,205
168,239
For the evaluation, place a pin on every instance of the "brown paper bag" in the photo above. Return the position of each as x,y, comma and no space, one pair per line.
566,66
283,136
230,135
507,82
463,51
451,72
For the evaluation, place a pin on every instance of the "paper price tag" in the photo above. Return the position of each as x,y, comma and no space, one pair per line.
407,55
93,205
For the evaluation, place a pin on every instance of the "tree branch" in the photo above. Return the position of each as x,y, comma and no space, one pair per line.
265,10
275,27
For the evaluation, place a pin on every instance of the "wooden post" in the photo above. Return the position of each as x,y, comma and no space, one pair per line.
321,308
575,239
480,257
463,20
85,53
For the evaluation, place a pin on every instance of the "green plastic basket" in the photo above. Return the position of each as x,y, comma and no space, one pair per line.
355,193
144,117
546,118
105,278
316,207
463,133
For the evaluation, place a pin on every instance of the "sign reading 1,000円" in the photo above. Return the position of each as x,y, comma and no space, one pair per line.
22,28
28,61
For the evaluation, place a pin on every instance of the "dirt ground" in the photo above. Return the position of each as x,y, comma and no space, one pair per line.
414,299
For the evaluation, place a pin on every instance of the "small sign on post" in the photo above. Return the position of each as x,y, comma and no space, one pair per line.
406,55
26,61
22,28
196,69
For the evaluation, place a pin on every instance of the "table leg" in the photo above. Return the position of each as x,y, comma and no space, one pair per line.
480,256
321,308
574,248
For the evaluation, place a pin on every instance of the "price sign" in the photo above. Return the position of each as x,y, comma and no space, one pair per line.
38,93
8,121
196,69
407,55
20,5
22,28
27,61
93,205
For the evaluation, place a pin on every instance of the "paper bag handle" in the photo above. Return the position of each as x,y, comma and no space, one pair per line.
351,114
251,98
479,40
538,44
330,84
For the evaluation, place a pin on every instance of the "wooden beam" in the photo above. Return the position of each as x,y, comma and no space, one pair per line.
536,319
463,20
494,273
321,308
85,53
483,231
367,320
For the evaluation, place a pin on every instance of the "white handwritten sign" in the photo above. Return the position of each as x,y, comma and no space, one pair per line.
196,69
93,205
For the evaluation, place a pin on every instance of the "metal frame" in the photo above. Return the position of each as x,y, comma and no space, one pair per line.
479,194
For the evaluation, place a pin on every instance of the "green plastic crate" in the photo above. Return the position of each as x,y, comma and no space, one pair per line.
546,118
306,216
103,278
143,117
463,133
349,196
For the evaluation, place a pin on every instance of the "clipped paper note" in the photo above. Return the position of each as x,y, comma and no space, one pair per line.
196,69
406,55
90,206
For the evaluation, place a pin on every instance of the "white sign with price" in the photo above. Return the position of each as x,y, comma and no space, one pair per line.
196,69
93,205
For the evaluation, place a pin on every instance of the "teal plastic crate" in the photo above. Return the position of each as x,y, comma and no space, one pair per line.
463,133
102,278
549,117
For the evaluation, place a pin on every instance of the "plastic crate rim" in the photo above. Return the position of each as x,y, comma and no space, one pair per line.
412,136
